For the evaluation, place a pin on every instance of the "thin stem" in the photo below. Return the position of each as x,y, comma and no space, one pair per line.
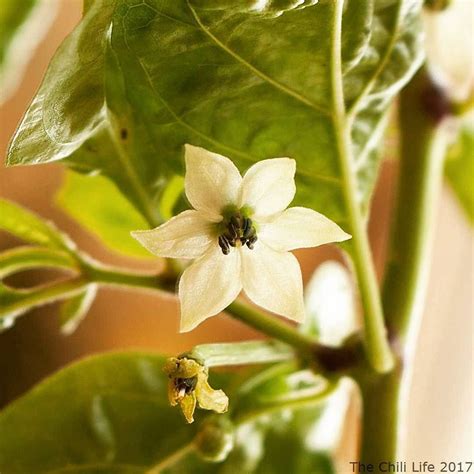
172,459
272,326
104,275
376,342
323,358
240,353
423,145
284,404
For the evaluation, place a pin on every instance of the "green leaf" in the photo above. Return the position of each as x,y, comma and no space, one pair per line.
106,414
22,27
110,413
73,311
107,214
309,80
251,84
460,168
31,228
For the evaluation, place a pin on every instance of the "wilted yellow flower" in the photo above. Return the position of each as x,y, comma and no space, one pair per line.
188,386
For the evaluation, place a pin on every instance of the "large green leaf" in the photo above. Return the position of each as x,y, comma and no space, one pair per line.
460,168
135,81
110,414
251,80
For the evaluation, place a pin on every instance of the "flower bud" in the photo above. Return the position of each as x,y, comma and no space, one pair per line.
215,439
449,47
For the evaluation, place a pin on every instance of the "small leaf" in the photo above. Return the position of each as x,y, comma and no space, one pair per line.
22,27
107,214
73,311
31,228
460,168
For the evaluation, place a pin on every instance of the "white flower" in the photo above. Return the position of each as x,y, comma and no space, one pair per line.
449,47
240,235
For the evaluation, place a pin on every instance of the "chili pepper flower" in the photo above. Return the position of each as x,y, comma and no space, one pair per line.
240,234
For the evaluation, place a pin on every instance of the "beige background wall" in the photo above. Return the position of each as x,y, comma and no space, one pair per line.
441,407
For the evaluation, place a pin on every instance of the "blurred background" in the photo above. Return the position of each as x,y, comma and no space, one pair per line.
441,402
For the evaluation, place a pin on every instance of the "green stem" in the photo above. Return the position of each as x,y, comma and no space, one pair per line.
377,346
104,275
273,327
16,302
279,405
240,353
324,359
172,459
423,146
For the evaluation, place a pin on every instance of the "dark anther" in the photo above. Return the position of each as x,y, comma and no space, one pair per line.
234,226
185,386
224,244
247,228
238,230
251,241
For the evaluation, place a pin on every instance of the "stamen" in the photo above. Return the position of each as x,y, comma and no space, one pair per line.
185,386
224,244
239,231
251,241
247,228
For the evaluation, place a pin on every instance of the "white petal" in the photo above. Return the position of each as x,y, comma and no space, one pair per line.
212,181
187,235
208,286
268,186
273,280
299,227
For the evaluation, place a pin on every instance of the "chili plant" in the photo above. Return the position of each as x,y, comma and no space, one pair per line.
226,134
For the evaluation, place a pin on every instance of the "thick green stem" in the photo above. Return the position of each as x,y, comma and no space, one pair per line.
423,146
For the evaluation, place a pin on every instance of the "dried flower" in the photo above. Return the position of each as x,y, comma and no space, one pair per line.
188,386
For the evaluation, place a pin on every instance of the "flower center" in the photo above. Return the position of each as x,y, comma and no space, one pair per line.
239,230
184,386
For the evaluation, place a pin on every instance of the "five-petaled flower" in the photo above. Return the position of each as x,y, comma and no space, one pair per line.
241,235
